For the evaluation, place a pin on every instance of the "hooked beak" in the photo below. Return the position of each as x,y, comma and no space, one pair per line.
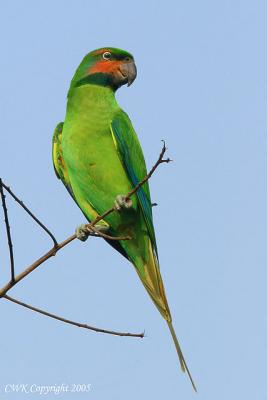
128,71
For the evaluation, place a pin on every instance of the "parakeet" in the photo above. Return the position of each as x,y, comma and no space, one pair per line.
98,157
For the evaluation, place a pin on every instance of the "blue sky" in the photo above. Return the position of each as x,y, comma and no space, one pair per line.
201,86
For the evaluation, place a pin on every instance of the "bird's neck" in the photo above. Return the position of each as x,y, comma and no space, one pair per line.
92,96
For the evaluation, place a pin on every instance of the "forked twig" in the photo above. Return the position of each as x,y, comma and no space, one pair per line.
30,213
59,246
160,160
93,231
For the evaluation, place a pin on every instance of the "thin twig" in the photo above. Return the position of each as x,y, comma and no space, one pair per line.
8,233
52,252
68,321
58,246
160,160
30,213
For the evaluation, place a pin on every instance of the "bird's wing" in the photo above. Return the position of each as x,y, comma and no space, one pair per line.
62,174
132,158
61,169
58,160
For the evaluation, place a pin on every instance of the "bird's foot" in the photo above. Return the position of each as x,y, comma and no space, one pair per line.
122,203
82,232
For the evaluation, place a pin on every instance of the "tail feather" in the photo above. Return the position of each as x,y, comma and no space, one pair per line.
180,354
151,279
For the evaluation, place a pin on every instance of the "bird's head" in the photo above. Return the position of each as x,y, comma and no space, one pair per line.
106,67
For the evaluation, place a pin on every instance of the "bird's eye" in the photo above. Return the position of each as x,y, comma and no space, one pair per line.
106,55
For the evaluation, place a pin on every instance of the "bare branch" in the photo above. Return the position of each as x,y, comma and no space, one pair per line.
30,213
93,231
8,233
68,321
59,246
160,160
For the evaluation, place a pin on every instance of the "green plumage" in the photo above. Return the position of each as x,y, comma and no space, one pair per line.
97,155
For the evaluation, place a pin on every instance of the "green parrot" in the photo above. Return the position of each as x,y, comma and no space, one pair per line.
98,157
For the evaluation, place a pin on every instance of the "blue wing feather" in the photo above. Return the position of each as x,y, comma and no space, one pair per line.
131,155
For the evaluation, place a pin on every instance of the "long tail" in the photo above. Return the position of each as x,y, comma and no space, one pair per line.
152,281
180,354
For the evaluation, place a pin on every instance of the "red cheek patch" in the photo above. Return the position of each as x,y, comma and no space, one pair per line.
104,66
